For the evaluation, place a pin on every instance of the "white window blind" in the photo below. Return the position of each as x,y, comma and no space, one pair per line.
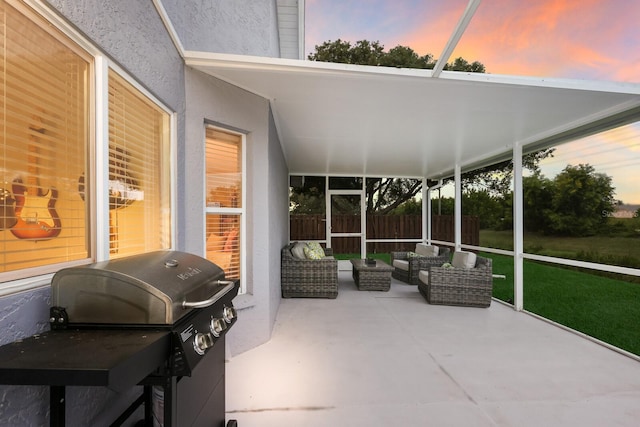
45,135
224,199
139,173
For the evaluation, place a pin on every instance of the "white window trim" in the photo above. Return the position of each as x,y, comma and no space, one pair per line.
99,117
242,211
102,147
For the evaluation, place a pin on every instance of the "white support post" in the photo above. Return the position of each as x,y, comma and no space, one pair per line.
426,212
458,209
327,217
363,219
101,166
518,229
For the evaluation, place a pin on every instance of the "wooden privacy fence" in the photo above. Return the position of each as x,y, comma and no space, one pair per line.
397,227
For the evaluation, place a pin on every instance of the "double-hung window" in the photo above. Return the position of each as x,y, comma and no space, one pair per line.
224,199
68,194
139,172
44,141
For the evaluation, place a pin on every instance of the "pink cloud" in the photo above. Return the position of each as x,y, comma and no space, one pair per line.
435,31
560,38
552,38
591,39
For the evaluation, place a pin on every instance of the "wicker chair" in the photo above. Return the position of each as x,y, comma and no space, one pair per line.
417,263
307,278
470,287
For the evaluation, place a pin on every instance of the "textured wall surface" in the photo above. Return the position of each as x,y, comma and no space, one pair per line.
23,315
132,34
278,215
215,101
244,27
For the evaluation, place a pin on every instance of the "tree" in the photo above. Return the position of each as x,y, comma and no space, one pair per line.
461,64
308,198
365,52
486,207
496,178
405,57
386,194
582,201
409,207
537,194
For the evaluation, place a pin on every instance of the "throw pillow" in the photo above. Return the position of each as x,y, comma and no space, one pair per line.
298,250
315,246
462,259
231,242
426,250
312,254
413,255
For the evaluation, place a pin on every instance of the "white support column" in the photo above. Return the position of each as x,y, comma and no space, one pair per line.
327,217
363,219
99,163
458,208
518,229
426,211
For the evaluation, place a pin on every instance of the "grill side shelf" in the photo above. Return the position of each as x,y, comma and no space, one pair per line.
119,359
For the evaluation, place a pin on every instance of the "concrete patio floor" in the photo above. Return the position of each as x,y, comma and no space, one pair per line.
391,359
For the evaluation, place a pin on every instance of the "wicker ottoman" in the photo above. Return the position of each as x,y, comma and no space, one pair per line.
374,277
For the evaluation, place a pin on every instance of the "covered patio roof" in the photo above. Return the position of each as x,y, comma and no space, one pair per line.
347,119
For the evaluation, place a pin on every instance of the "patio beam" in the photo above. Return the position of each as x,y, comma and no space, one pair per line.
455,36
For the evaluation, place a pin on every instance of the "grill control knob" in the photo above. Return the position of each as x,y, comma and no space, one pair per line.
202,342
217,326
229,313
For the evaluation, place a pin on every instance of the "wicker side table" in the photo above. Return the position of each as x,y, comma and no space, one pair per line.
374,277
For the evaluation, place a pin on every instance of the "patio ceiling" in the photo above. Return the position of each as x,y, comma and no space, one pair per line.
361,120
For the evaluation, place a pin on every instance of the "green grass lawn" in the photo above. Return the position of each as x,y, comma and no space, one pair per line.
622,251
600,307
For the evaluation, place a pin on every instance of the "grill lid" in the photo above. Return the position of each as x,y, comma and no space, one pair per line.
156,288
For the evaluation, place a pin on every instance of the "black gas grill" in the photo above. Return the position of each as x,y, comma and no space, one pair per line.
184,296
171,290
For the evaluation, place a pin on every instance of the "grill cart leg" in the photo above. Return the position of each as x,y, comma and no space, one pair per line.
57,405
148,409
170,402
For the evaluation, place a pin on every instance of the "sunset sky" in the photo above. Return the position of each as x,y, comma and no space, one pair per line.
584,39
575,39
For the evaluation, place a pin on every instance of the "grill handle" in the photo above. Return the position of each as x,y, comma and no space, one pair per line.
229,284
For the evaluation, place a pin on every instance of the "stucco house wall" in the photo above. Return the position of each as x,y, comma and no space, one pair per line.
210,100
132,34
245,27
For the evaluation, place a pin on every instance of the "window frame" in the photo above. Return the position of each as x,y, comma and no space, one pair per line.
97,152
102,249
241,211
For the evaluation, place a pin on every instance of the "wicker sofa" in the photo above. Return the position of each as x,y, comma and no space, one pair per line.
407,265
308,278
455,285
